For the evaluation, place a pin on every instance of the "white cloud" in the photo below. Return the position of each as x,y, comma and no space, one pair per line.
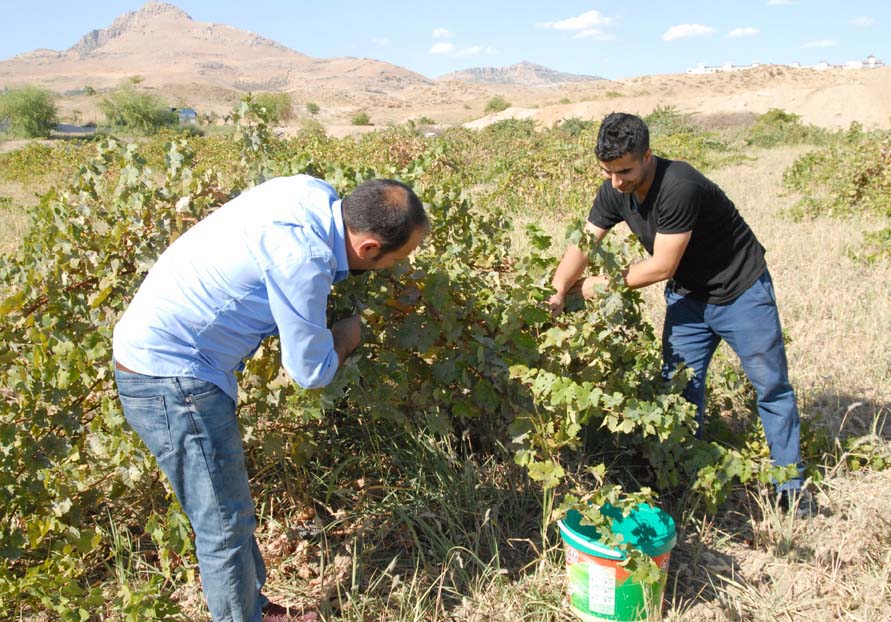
442,48
593,33
823,43
441,33
743,32
580,22
863,21
686,30
382,41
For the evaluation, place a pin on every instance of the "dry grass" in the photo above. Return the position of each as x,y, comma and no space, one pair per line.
751,562
747,563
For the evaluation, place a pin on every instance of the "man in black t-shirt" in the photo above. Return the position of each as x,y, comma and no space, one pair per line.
718,284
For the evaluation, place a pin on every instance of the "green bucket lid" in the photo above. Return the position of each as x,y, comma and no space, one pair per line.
647,529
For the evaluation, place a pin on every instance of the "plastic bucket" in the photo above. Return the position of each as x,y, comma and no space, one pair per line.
598,588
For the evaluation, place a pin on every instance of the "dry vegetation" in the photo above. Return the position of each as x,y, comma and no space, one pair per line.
748,562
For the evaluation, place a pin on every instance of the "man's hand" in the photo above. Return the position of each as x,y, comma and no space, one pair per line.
555,304
588,287
347,336
592,285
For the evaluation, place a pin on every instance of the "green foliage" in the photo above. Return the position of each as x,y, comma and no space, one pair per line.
89,91
29,111
277,105
851,176
497,104
67,460
361,118
876,247
777,127
460,360
666,120
575,127
135,111
312,108
35,162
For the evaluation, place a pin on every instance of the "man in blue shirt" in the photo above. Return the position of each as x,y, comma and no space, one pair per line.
263,264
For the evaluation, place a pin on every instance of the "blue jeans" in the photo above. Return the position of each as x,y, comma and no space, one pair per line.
190,427
751,327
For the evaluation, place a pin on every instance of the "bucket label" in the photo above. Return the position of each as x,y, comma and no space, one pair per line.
601,589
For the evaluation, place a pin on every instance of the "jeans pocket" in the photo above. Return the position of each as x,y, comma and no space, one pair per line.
214,408
149,419
767,283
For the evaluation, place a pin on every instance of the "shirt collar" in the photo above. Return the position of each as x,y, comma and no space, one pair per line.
340,254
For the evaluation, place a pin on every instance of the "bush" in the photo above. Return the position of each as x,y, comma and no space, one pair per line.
361,118
497,104
277,105
139,112
669,120
312,108
30,112
778,127
574,126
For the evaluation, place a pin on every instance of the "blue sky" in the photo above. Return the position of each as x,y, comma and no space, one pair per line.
613,40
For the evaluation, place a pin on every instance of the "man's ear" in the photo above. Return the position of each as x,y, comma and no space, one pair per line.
369,248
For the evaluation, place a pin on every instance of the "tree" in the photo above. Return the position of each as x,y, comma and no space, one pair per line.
141,112
361,118
30,112
277,105
497,104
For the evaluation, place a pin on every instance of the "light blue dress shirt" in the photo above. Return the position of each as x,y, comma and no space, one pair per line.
262,264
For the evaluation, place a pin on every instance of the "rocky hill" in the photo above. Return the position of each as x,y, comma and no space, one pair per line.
163,45
521,74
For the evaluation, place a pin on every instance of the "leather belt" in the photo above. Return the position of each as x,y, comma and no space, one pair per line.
123,368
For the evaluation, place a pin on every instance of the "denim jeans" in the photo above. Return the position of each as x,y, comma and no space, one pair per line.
751,327
191,428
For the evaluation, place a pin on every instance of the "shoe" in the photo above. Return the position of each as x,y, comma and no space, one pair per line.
276,613
800,502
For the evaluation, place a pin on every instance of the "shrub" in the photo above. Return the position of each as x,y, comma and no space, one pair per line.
669,120
361,118
139,112
497,104
30,112
277,105
574,126
312,108
776,127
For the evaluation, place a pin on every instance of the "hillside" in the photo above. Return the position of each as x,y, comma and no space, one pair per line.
165,46
210,66
521,74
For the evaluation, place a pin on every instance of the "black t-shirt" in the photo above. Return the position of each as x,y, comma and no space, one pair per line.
723,257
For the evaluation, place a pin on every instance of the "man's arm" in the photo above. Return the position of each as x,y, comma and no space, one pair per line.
347,335
668,250
569,271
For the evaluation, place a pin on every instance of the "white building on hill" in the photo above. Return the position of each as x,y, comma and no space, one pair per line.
869,63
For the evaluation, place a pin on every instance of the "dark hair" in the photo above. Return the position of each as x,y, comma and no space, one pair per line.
385,208
621,133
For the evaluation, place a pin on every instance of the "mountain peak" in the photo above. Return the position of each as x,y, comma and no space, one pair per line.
524,73
127,22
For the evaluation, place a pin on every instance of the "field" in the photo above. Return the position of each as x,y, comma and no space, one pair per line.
425,483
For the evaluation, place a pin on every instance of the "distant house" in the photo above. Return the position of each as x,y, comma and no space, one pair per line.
187,116
872,61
